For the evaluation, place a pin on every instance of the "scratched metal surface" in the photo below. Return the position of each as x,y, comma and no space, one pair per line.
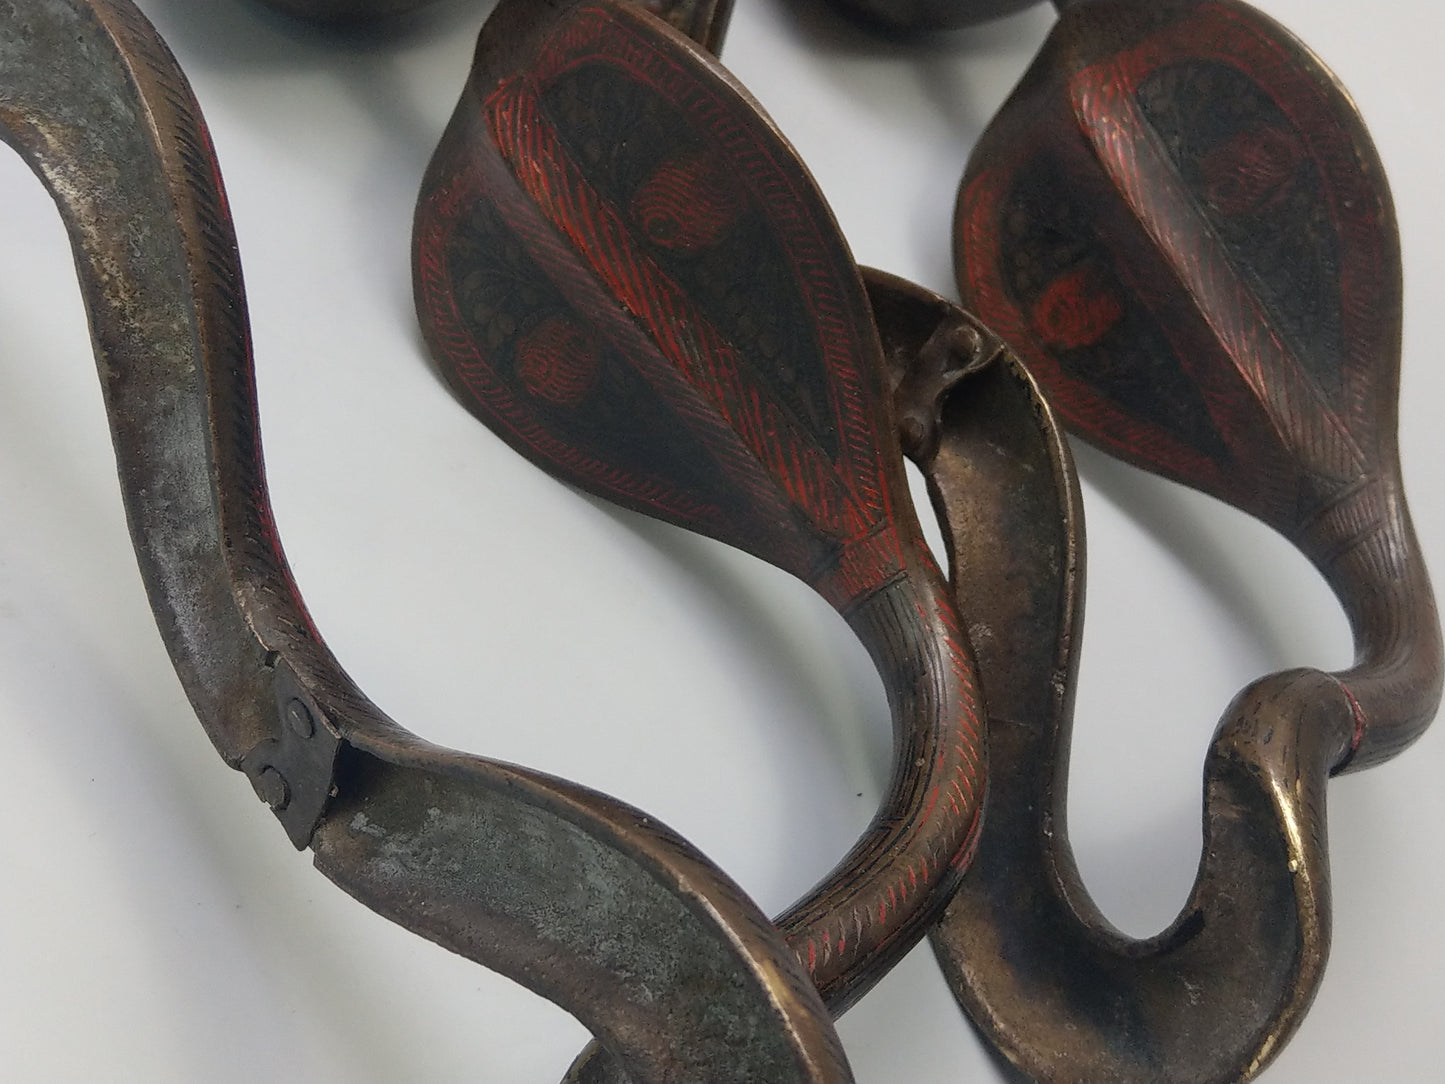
157,926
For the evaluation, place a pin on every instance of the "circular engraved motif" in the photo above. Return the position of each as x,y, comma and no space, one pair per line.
687,203
1077,309
556,362
1250,171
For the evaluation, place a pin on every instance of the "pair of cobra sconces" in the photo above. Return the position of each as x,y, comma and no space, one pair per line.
1177,225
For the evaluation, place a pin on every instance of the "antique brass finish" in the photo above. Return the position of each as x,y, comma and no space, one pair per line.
1180,224
1177,229
623,269
505,866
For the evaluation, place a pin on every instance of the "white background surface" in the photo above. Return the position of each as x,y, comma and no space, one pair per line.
154,923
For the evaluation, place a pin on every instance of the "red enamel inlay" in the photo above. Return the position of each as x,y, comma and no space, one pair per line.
1077,309
1251,171
688,203
557,362
600,255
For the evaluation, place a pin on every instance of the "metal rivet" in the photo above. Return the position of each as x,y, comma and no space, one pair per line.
273,790
913,433
298,718
964,343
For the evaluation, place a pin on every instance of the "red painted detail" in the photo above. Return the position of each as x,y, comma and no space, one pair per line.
928,809
688,203
863,565
833,294
1360,721
1103,99
982,282
600,261
1251,171
964,858
711,366
437,218
969,754
1077,309
557,362
1318,130
958,790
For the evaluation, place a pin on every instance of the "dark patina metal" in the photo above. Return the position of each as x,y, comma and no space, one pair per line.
623,269
1180,224
508,867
